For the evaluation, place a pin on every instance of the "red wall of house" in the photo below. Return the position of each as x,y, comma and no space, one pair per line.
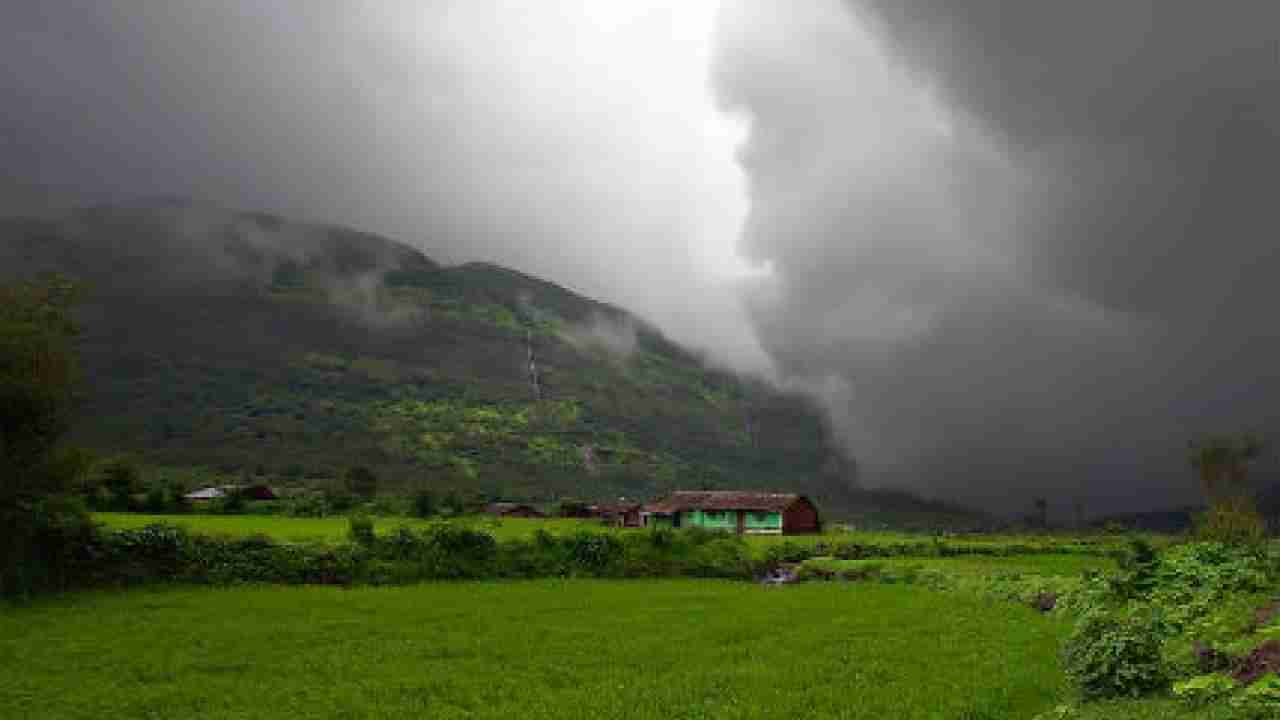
800,517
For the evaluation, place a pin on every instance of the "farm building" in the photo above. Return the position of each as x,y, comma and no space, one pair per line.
619,514
254,492
205,494
518,510
742,512
249,492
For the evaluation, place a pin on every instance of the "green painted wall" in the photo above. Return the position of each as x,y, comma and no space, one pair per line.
770,522
764,521
722,520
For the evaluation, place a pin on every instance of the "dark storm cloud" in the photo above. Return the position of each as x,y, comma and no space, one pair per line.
1021,246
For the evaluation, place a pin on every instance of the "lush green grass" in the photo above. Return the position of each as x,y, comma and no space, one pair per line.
335,528
293,529
1158,708
1055,565
546,649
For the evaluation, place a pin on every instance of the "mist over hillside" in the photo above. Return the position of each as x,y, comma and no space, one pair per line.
245,340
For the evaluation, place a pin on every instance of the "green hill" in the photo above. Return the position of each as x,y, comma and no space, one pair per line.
240,340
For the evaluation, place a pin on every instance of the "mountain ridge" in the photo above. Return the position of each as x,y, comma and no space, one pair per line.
243,339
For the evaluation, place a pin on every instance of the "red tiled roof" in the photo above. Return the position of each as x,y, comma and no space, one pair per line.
722,500
618,507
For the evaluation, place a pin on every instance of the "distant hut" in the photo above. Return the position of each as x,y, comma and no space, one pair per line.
576,509
516,510
205,494
257,492
618,514
751,513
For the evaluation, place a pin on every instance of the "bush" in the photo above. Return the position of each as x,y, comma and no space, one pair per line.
361,482
1138,565
309,506
232,504
155,502
1259,701
1233,521
339,501
1117,653
360,530
1204,690
424,504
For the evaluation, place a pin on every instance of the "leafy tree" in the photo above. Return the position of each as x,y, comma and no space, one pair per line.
361,482
121,479
424,503
1223,464
1042,512
453,502
233,503
38,476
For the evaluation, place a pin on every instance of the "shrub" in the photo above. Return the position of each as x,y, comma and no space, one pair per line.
424,504
1233,521
155,502
661,537
595,552
360,530
361,482
339,501
1137,574
1259,701
121,478
309,506
1117,653
1203,690
232,504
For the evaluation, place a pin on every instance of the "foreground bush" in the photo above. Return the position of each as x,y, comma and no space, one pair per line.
1185,615
1112,654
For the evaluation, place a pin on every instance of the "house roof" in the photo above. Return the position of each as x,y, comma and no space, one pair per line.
615,507
683,500
208,493
502,507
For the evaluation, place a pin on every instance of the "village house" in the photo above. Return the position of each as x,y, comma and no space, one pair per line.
751,513
515,510
248,492
618,514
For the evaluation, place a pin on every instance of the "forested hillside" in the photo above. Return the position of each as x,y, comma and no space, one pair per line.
247,342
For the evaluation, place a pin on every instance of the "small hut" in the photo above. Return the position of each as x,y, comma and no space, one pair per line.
516,510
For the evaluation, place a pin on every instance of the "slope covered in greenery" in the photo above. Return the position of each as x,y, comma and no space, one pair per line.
244,341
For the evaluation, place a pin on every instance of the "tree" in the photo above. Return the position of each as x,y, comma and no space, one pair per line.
1042,512
424,503
121,478
1223,465
361,482
38,475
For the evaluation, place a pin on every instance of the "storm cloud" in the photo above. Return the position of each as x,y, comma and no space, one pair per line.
1033,243
1016,247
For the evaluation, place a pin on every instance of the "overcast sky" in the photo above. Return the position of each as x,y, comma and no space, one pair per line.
1015,246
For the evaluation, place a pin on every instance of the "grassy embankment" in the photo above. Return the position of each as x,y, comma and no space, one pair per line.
334,528
542,649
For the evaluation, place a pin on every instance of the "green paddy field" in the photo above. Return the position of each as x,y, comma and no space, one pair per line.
538,649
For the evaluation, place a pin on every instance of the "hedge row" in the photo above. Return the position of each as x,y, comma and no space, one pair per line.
794,552
441,551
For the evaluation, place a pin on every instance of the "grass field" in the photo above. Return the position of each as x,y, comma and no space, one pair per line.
1054,565
544,649
334,528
